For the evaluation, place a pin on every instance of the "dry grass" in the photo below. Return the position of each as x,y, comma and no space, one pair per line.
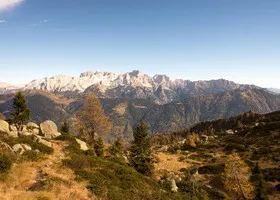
169,162
63,185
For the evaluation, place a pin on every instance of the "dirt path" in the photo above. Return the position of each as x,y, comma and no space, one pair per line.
45,178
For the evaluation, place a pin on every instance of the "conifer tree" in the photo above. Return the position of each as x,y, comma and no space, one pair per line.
93,120
117,148
99,146
261,193
65,128
140,157
236,179
21,112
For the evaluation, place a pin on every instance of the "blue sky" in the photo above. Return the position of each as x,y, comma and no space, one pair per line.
237,40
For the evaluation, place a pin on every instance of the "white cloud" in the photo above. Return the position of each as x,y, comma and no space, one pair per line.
2,21
8,4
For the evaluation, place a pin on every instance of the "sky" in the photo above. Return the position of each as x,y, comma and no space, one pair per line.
238,40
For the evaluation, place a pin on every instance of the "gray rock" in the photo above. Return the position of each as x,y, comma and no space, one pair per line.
44,142
26,147
32,125
49,129
36,131
4,127
13,134
13,127
18,148
174,187
24,128
83,145
164,148
26,133
229,131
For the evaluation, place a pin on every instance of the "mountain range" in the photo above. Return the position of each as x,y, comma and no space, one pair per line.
165,104
159,88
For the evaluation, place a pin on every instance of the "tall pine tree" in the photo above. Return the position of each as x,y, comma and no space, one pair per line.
140,156
21,112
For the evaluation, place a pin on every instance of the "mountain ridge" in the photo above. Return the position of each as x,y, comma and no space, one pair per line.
159,88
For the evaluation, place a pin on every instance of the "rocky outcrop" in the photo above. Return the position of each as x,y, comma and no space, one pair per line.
83,145
49,129
4,127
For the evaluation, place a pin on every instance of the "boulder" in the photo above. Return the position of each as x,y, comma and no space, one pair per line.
26,133
83,145
36,131
44,142
18,148
164,148
13,134
32,125
49,129
26,147
4,147
13,127
24,128
4,127
229,132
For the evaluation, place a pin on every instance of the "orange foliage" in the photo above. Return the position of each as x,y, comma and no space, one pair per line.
92,118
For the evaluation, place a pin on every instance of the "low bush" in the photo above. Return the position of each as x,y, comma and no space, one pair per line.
211,169
237,147
5,164
31,156
271,174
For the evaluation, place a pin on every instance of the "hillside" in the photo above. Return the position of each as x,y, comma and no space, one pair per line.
125,113
255,137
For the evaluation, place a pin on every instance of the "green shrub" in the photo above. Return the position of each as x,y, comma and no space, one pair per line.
31,156
64,137
5,164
